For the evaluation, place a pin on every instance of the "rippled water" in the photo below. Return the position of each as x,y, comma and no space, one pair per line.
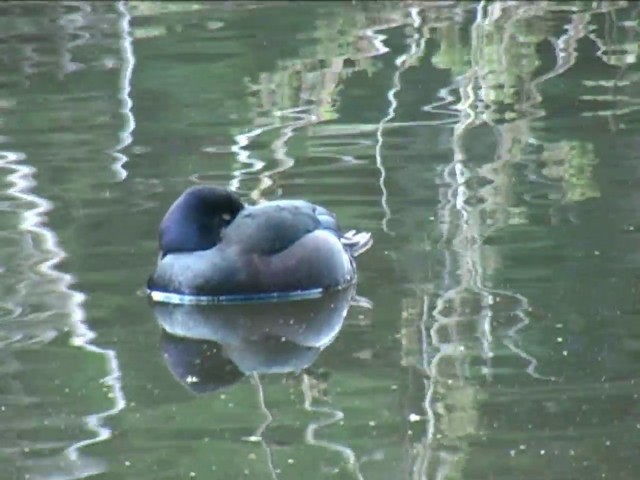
492,150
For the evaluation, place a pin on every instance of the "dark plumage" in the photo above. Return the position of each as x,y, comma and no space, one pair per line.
212,245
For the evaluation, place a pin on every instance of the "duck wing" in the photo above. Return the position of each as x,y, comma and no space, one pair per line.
273,227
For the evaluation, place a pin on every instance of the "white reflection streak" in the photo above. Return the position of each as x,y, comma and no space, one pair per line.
565,50
416,47
124,90
268,419
32,221
447,99
455,174
420,467
334,416
486,336
378,41
424,337
82,338
456,226
425,454
279,146
513,334
244,156
71,24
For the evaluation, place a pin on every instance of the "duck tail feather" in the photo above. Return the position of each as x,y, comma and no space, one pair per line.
356,242
363,302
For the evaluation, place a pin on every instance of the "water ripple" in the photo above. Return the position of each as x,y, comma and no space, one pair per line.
124,90
43,254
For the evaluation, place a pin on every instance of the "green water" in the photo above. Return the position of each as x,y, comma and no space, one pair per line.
491,149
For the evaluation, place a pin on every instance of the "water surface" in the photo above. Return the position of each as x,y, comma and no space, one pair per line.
492,150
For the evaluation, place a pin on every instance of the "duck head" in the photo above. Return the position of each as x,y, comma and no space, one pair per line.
197,218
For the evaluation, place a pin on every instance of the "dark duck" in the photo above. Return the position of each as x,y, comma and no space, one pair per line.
214,247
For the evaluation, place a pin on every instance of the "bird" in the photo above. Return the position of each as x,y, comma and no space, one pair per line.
215,249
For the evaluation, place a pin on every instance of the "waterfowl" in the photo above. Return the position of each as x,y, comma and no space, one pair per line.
215,248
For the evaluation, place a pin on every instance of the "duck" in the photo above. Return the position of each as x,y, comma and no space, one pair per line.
213,248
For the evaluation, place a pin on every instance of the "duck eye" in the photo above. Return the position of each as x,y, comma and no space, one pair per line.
226,217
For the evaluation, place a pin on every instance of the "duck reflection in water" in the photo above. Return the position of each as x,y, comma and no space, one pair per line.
208,347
